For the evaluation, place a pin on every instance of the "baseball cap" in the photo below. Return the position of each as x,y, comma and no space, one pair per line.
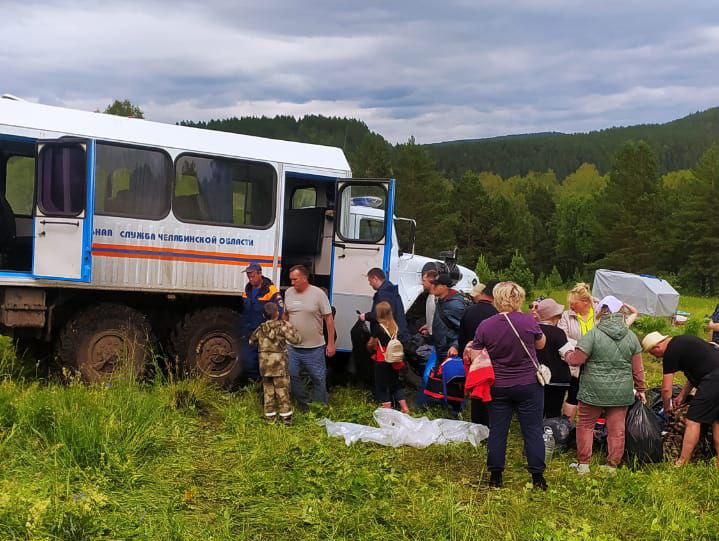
443,280
478,289
253,267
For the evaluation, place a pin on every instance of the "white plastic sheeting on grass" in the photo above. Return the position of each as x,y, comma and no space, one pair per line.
397,428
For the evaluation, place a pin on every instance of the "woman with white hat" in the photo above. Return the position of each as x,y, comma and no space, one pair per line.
611,357
699,360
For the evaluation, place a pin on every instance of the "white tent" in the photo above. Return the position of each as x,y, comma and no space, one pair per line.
648,294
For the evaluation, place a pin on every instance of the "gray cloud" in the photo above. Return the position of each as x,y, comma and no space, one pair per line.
459,69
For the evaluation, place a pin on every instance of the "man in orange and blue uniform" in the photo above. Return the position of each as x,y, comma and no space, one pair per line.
259,291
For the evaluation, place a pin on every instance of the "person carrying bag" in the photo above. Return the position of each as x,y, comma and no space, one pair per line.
388,356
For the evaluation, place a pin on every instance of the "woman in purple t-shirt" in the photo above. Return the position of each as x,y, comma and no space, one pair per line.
515,387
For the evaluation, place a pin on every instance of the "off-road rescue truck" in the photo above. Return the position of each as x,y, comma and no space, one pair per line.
117,233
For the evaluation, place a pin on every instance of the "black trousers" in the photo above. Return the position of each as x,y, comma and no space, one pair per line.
553,400
528,402
387,383
480,411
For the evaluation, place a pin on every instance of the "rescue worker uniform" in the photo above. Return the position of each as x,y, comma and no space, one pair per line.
254,300
272,338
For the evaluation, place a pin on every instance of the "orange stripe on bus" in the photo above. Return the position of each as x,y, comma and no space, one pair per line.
100,246
187,259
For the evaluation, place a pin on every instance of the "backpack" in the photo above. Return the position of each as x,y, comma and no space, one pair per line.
394,352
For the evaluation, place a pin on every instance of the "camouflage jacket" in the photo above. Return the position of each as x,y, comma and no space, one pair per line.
272,338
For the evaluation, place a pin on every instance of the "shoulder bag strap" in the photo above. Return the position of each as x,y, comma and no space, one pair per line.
379,343
534,362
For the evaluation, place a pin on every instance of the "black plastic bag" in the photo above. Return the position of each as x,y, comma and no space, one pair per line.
361,356
563,431
643,439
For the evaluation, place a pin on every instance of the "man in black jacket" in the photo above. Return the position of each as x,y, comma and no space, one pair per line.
388,292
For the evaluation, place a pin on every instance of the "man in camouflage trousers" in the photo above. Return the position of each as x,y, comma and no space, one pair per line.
272,338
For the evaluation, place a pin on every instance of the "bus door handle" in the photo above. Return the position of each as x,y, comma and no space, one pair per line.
45,223
345,247
75,223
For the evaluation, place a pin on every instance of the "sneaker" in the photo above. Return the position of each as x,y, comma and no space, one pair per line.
608,469
582,469
538,481
495,479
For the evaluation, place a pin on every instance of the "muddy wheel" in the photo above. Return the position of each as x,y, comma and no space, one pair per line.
207,344
105,338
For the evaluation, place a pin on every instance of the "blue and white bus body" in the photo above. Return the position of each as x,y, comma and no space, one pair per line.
126,208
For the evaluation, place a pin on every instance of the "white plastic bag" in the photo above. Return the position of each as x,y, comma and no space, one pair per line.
397,428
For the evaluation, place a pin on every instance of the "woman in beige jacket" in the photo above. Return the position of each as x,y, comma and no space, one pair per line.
583,313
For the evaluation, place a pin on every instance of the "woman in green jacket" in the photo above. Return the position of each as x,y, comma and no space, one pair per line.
613,371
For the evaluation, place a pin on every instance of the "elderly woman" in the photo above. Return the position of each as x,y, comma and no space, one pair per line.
612,359
548,313
510,338
576,322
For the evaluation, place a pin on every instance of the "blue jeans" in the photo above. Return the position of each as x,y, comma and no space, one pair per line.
312,361
528,402
250,363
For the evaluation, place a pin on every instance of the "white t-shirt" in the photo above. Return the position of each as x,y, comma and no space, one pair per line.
429,309
306,311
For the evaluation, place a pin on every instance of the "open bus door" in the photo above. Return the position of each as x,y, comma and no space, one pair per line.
63,210
362,240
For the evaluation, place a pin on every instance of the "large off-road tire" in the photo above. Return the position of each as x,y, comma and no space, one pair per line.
208,345
104,339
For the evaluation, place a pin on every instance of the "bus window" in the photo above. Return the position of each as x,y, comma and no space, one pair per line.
362,213
223,191
20,184
62,171
303,198
371,229
132,182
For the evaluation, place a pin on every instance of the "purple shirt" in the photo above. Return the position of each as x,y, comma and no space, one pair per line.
509,360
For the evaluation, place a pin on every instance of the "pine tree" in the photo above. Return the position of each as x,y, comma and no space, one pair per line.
482,270
520,273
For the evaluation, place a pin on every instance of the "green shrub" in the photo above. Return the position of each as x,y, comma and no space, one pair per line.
646,324
695,327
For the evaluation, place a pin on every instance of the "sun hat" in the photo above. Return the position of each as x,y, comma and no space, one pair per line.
478,290
611,302
652,339
549,308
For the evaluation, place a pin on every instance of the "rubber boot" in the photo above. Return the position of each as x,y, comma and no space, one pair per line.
495,479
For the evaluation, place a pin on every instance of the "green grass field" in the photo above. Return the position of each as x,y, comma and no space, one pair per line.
180,460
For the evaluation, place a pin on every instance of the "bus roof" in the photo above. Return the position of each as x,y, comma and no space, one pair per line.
56,121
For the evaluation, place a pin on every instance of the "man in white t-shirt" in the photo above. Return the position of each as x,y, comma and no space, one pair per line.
307,307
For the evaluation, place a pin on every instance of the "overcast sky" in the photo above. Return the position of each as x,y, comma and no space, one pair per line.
437,70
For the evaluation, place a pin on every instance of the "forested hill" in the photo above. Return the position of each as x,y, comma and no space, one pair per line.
677,145
346,133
